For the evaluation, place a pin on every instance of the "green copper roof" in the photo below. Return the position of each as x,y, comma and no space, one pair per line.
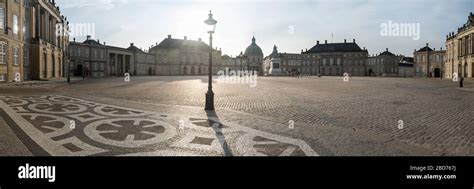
253,49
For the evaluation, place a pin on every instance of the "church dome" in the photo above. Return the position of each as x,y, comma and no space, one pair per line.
253,49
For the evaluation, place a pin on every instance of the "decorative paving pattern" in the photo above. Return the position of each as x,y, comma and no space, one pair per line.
65,126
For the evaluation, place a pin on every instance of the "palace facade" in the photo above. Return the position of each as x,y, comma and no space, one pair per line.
460,50
31,47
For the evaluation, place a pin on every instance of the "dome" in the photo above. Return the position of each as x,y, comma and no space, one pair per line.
253,49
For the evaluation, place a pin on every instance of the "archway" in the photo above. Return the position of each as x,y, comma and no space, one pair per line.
465,70
53,71
79,70
437,73
45,72
371,72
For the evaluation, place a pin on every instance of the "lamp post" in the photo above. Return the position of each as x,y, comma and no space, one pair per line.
210,94
68,64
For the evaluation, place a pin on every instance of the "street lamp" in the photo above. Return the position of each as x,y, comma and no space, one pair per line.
68,63
211,23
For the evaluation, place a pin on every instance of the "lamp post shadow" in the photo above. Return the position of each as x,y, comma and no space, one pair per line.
217,126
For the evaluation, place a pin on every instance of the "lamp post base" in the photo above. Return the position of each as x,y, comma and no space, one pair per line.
209,100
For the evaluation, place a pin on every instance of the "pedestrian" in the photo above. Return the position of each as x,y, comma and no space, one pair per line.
461,82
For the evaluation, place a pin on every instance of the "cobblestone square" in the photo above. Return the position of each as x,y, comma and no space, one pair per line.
362,117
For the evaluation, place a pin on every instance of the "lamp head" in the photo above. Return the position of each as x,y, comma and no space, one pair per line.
211,23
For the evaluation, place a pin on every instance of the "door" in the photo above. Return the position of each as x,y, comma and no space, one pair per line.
465,69
437,73
79,70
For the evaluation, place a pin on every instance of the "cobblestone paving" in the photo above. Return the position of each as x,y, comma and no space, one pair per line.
436,115
65,126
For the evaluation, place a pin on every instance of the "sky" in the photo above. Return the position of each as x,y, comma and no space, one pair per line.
291,25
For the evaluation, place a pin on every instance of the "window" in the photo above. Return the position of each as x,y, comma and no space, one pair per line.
16,56
2,18
25,35
26,58
15,24
3,77
3,53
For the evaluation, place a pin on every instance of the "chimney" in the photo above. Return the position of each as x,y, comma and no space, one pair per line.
434,49
131,44
185,38
427,44
105,43
98,41
386,49
317,42
88,37
354,40
345,40
169,36
325,41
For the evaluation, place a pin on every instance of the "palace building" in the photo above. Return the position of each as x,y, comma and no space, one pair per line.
328,59
429,62
12,40
335,59
184,57
30,47
460,51
93,59
384,64
47,48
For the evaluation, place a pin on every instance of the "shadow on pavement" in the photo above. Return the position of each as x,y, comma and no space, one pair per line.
216,125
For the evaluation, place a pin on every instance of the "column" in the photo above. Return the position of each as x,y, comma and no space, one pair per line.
123,63
37,21
116,64
107,62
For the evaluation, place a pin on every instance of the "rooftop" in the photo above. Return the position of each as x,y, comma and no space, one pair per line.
335,47
170,43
